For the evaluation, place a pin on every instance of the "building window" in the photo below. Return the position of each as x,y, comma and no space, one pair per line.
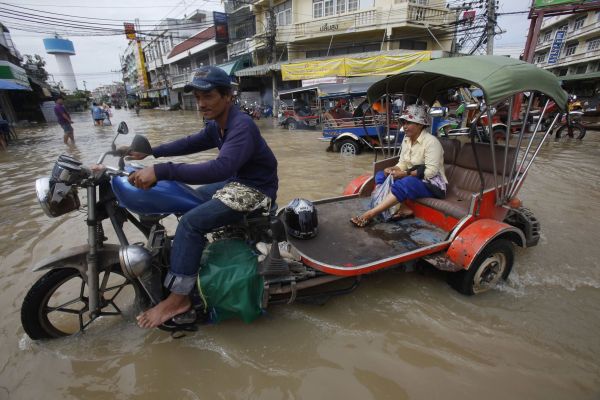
341,6
578,23
570,49
352,5
593,44
541,58
563,27
317,9
328,8
547,36
283,13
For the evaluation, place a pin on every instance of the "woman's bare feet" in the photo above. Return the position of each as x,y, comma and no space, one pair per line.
173,305
402,213
363,220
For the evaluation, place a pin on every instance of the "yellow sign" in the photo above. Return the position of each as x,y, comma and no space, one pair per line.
351,66
313,69
141,67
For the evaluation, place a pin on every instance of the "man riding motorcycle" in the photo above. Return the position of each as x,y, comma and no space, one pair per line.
242,178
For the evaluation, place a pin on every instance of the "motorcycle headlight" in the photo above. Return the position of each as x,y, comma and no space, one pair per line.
56,199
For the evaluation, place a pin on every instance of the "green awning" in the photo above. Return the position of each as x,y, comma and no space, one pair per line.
231,67
499,78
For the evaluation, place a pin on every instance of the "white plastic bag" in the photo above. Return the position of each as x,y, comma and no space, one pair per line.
379,194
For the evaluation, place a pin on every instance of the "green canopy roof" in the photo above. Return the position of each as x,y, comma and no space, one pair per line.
498,77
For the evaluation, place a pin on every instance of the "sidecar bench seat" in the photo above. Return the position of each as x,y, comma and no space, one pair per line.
451,149
465,180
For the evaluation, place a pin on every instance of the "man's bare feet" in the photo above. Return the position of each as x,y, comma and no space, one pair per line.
165,310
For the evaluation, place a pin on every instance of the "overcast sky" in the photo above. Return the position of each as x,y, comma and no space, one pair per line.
98,57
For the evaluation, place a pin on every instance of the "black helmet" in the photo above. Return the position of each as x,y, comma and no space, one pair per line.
301,219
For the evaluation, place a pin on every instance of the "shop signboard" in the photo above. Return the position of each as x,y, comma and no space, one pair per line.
559,39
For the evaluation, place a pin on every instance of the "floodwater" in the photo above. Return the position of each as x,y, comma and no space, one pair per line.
398,336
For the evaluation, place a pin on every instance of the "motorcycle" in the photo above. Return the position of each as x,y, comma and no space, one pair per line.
101,279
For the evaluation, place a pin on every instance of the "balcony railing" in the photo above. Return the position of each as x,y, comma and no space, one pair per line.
340,23
178,81
429,15
583,55
415,13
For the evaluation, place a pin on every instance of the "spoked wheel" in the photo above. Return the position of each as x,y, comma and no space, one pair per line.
493,264
348,147
577,129
292,125
57,304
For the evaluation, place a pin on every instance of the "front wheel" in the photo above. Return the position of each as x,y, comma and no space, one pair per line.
57,304
493,264
348,147
577,129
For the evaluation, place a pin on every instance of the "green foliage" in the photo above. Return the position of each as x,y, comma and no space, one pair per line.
35,67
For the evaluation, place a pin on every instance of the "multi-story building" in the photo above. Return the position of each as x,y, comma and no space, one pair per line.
288,31
159,42
13,78
131,68
200,49
580,50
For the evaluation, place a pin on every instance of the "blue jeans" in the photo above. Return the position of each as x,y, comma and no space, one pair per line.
409,187
190,237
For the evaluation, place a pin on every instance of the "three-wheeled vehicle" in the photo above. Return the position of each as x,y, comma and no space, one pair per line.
350,123
470,234
472,231
299,108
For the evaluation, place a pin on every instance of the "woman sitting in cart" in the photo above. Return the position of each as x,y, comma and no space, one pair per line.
419,172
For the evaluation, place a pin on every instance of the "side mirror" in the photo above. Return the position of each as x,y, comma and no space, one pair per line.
123,129
140,144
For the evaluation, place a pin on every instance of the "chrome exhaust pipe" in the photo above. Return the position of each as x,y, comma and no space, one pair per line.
136,264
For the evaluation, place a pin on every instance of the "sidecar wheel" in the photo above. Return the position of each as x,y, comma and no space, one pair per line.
491,266
57,304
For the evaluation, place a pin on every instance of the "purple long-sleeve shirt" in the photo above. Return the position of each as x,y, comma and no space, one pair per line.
244,156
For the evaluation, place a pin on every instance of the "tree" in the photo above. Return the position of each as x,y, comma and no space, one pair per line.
35,67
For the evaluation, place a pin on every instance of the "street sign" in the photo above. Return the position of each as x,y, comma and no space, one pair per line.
129,30
559,39
548,3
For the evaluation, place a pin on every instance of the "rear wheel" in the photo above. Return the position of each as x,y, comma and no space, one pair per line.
348,147
493,264
292,125
57,304
577,129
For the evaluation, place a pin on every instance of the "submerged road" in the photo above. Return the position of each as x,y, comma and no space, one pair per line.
398,336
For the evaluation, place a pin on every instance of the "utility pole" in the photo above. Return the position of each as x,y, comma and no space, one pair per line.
272,40
491,26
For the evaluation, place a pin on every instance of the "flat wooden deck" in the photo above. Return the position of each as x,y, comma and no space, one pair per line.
342,245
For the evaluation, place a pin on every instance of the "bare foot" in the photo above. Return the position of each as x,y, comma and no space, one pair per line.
363,220
165,310
402,213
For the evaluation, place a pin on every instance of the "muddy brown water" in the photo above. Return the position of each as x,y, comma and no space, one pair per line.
398,336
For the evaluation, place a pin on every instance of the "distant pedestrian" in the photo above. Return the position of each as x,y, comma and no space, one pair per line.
137,108
97,114
64,119
107,114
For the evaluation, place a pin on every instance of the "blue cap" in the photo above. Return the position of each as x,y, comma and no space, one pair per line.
207,78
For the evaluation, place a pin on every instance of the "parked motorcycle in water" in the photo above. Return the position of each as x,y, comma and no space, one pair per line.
99,279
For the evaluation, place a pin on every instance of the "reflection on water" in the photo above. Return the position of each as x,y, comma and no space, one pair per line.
400,335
